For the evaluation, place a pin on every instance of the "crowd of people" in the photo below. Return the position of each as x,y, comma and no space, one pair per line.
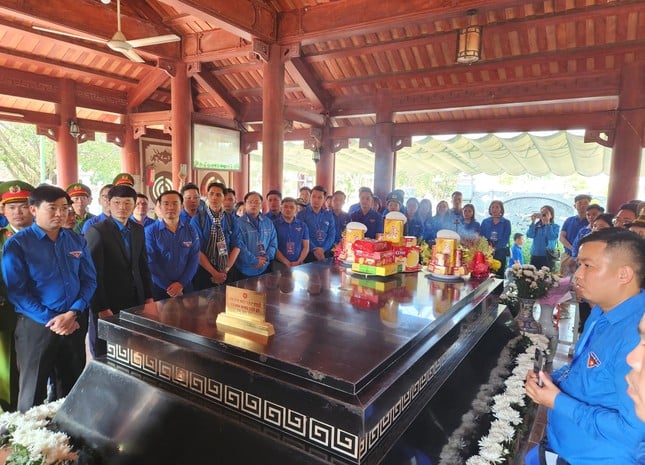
64,269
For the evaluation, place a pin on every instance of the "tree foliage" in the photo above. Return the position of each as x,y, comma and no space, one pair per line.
20,149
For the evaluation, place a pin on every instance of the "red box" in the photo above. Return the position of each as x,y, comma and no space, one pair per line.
371,245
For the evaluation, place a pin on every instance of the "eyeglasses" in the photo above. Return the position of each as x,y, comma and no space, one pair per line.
254,202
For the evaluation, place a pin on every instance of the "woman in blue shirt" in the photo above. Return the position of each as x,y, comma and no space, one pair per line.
470,227
544,233
497,230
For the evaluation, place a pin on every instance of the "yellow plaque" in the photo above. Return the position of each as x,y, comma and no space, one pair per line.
245,311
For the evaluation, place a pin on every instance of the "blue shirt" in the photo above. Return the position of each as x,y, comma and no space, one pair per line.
290,237
272,216
453,220
414,227
257,238
545,237
373,220
91,221
147,221
576,242
469,230
322,228
340,222
497,234
571,227
593,421
172,256
184,217
202,223
516,255
46,278
3,221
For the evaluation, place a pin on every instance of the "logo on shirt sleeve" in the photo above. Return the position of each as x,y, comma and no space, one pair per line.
76,253
593,361
188,243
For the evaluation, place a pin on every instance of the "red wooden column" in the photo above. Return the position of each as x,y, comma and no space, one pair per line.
130,156
626,155
66,145
383,154
326,166
272,120
241,178
180,121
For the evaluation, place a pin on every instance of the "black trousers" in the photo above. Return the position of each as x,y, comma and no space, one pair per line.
41,353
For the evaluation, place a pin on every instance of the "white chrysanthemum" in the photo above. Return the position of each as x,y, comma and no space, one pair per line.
504,428
477,460
491,451
510,415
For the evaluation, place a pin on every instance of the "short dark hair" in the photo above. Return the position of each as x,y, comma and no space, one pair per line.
287,200
230,191
274,192
595,206
107,187
579,197
163,194
305,188
630,207
122,190
630,242
47,193
319,188
456,193
365,189
606,217
340,193
217,184
142,196
517,236
253,193
498,202
189,186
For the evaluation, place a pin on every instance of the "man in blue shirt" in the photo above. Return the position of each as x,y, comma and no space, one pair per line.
569,231
190,194
366,214
258,241
105,209
218,237
173,249
274,197
455,217
340,217
591,418
322,229
293,237
50,279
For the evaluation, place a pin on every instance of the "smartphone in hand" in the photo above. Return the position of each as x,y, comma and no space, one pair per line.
538,365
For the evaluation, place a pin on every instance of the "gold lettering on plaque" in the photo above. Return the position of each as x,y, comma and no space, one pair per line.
246,311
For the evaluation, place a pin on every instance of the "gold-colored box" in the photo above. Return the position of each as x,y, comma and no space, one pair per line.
393,231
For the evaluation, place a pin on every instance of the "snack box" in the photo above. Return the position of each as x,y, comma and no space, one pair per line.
377,285
371,245
393,231
374,258
447,247
386,270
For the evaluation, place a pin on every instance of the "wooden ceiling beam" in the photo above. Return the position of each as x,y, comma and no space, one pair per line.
149,118
573,86
214,45
243,18
336,20
492,66
29,117
491,29
213,86
101,126
304,76
146,87
66,67
86,18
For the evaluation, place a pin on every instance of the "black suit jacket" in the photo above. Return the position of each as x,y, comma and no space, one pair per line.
122,282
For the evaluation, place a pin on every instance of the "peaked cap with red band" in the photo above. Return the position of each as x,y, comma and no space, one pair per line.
78,189
15,191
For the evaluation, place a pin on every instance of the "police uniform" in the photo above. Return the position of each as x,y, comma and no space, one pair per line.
123,179
10,192
77,190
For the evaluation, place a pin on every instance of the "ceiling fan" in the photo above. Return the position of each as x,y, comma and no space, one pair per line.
118,42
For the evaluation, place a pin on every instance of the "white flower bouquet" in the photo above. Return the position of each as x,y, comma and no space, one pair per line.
30,439
532,283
